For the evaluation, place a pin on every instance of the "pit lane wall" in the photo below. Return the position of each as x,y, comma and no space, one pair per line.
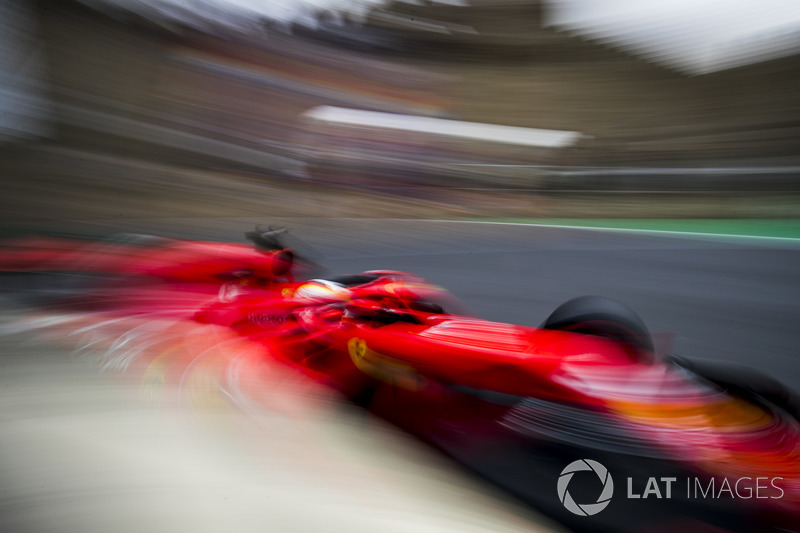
163,114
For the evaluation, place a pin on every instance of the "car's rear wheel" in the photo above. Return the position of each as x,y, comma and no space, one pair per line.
603,317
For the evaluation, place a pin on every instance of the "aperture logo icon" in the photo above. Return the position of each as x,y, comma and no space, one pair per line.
585,509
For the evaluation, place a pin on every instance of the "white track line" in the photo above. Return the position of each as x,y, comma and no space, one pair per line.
655,232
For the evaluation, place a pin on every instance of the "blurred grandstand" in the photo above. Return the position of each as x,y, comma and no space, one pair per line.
142,102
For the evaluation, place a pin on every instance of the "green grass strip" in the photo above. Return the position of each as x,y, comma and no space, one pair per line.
783,228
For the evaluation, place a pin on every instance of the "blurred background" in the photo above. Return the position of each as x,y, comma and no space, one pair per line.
198,118
457,108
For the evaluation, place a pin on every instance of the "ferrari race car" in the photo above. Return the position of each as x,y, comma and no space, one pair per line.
578,417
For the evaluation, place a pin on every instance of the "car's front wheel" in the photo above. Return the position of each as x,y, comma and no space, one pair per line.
603,317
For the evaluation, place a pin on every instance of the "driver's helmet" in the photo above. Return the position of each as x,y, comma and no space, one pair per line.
320,291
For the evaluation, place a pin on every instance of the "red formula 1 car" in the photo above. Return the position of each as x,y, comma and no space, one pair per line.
701,447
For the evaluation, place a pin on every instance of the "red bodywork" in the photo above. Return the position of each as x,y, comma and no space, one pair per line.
387,342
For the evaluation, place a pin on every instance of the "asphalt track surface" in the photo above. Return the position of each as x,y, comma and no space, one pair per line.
81,454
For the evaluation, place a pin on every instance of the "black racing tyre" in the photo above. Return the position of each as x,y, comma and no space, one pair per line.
602,317
743,381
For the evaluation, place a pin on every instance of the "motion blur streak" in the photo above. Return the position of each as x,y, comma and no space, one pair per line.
219,331
695,37
24,108
210,111
198,119
191,427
